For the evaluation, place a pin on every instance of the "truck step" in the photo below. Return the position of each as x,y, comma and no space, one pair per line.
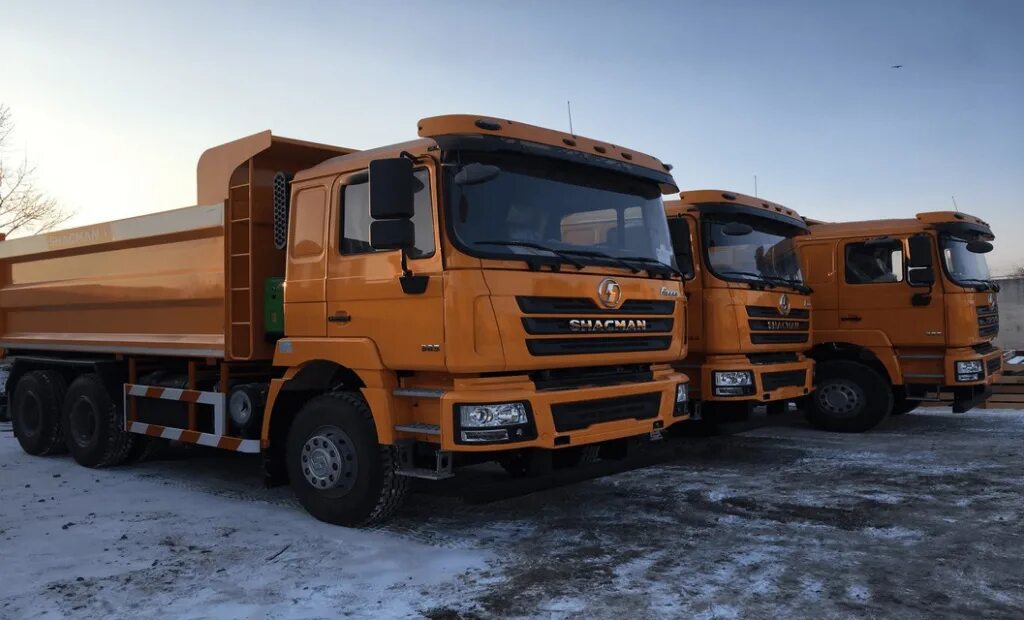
425,429
425,473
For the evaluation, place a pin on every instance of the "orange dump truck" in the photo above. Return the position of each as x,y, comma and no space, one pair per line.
904,312
361,317
749,318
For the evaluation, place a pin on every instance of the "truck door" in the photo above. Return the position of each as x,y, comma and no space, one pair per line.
365,297
875,297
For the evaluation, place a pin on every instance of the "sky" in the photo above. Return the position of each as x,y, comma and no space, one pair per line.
114,102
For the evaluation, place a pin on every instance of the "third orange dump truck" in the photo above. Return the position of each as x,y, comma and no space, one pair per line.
488,291
905,311
750,311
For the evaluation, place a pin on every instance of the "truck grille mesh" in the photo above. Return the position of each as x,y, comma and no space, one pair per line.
583,327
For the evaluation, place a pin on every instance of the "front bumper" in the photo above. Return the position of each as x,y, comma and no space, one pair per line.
764,389
991,362
552,429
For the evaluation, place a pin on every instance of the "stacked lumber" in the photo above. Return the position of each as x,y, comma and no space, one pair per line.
1008,390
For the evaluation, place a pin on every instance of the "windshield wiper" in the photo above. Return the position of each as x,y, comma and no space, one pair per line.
535,246
797,285
987,285
654,264
760,277
596,254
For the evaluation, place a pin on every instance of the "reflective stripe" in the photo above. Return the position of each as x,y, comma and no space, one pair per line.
235,444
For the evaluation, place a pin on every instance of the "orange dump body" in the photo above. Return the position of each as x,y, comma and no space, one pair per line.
183,282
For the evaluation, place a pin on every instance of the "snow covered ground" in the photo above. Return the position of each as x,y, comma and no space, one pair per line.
920,518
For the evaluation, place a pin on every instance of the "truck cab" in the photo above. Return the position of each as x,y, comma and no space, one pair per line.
750,312
905,312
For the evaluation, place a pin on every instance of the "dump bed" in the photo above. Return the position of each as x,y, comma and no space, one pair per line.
187,282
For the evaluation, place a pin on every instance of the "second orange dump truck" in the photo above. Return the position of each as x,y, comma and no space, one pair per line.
488,291
750,311
905,312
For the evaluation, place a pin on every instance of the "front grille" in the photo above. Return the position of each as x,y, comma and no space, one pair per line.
778,338
786,378
760,359
984,348
988,320
779,325
588,330
583,414
773,312
535,326
573,378
993,365
584,305
570,346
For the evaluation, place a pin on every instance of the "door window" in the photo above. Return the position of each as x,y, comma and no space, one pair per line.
355,209
868,263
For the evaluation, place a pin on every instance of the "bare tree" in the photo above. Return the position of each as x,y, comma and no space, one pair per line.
1018,271
24,208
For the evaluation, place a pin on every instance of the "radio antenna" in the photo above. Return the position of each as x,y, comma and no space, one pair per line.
568,106
955,206
755,186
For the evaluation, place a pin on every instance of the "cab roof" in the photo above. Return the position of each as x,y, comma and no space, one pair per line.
929,220
434,130
689,199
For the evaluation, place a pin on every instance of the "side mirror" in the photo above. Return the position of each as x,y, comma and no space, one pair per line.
392,234
979,246
391,189
679,232
920,269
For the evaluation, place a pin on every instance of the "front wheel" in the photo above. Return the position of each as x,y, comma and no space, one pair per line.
848,398
338,471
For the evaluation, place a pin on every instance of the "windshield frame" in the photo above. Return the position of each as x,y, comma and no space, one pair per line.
749,218
973,283
453,161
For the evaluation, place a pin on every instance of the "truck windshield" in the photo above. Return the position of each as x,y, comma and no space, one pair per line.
767,253
514,206
963,266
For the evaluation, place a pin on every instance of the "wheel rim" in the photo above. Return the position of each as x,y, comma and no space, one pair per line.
329,460
30,416
83,423
840,398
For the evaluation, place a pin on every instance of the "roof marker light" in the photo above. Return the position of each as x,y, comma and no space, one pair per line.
488,125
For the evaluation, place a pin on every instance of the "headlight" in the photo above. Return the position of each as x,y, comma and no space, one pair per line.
971,370
682,392
488,416
968,367
734,377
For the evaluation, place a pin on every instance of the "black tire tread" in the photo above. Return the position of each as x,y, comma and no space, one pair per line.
877,390
121,441
53,382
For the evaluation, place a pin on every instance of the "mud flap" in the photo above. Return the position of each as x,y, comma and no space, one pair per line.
967,398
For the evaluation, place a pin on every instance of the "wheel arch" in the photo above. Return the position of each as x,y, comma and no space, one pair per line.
881,361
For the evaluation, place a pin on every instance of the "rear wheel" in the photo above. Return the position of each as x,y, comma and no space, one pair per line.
94,428
848,398
35,412
338,471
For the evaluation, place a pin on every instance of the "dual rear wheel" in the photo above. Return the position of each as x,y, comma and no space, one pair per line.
50,416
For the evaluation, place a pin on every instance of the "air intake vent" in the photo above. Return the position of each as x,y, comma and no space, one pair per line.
282,187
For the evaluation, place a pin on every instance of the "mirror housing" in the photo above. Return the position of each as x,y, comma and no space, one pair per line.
737,229
392,234
920,268
391,189
679,231
979,246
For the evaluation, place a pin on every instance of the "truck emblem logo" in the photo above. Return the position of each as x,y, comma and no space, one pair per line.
607,325
784,304
789,325
609,292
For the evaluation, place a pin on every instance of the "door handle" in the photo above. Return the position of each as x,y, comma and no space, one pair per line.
850,317
340,317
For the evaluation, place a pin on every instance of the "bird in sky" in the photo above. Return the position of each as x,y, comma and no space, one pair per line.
897,66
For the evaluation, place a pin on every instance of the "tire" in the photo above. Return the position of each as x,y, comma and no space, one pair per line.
35,412
338,471
93,424
901,405
848,397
